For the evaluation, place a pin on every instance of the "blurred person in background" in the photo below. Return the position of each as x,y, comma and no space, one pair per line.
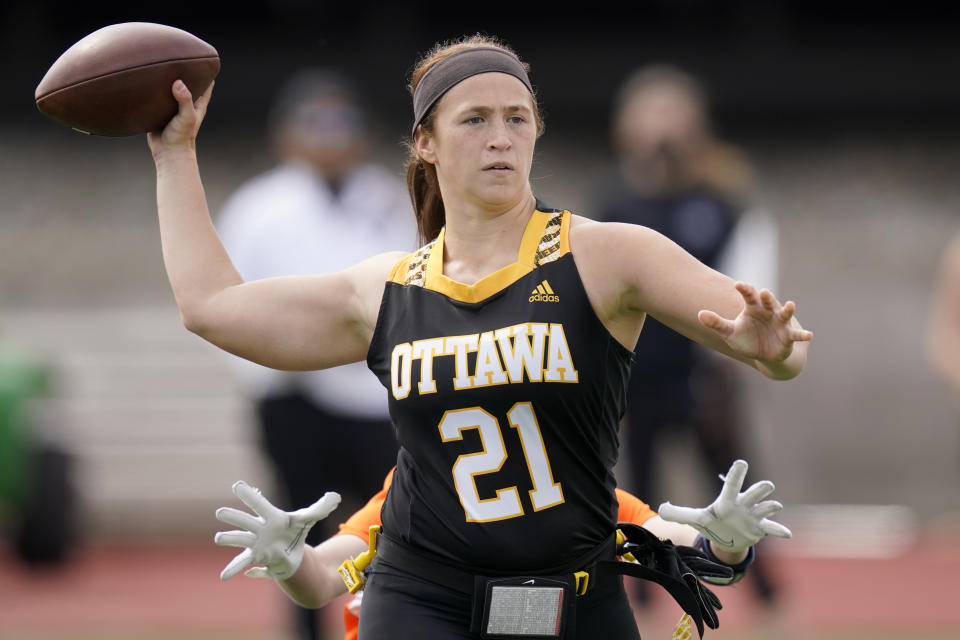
943,332
323,208
676,177
37,492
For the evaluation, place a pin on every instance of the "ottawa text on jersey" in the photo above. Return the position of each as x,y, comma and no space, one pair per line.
536,349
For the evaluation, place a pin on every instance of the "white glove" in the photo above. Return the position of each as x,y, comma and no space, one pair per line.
735,521
273,539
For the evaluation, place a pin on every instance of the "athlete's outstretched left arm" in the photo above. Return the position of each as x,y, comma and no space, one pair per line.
630,271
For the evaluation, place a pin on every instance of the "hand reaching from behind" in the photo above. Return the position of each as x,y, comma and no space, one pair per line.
181,132
764,331
272,539
735,521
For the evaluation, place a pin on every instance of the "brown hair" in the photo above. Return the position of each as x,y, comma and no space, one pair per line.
422,176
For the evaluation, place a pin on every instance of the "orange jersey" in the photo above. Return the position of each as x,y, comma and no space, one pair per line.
632,509
359,523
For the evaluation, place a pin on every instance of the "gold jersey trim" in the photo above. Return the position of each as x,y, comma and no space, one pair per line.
551,245
545,239
417,269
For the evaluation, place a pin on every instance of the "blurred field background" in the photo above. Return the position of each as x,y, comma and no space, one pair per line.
849,115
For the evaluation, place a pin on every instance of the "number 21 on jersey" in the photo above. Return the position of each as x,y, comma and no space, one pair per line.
545,493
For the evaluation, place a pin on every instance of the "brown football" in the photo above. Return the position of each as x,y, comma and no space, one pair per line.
116,81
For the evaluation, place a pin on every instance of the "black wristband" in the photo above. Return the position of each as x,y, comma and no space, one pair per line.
739,569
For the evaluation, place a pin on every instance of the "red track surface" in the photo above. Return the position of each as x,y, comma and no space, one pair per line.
157,589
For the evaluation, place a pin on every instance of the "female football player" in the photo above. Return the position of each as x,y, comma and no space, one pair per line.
504,345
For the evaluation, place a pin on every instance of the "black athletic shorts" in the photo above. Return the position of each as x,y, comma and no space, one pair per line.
400,606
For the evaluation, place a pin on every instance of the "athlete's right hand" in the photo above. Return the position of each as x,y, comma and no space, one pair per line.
273,540
181,132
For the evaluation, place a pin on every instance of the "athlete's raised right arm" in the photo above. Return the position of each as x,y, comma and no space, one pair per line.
292,323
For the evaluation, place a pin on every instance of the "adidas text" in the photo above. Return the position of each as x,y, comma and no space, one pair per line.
539,297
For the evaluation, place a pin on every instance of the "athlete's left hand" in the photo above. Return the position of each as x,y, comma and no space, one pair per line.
735,521
764,330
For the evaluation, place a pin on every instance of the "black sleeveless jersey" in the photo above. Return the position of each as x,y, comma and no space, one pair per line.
506,395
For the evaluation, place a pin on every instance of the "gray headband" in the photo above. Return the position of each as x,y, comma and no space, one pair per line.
456,68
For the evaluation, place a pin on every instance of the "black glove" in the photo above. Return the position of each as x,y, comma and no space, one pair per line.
677,568
698,562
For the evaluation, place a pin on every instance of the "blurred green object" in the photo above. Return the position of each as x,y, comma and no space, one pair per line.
22,379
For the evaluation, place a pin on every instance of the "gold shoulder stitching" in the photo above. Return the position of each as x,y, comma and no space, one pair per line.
417,270
549,245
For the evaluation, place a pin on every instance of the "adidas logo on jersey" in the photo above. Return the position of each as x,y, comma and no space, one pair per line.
543,293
